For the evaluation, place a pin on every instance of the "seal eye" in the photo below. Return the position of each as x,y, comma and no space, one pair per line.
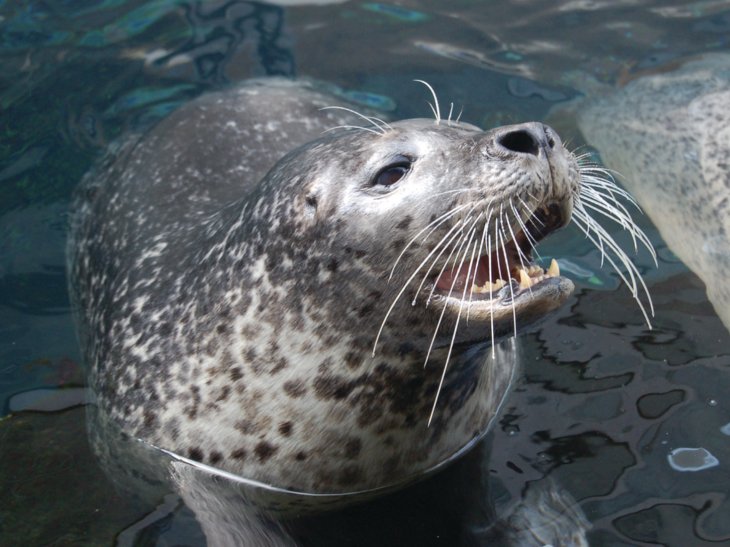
392,174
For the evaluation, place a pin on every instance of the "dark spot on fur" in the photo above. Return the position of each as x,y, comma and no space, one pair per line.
211,348
398,244
239,454
300,456
196,454
264,451
225,391
332,387
294,388
250,354
285,428
352,449
360,254
236,374
164,330
325,366
221,329
331,265
280,365
403,224
353,360
150,418
366,310
215,457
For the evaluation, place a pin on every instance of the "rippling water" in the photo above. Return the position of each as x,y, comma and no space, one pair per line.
634,423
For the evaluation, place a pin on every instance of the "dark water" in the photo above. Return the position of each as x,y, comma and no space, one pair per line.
602,400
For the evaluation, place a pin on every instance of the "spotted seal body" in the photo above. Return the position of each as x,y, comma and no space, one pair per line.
228,303
667,134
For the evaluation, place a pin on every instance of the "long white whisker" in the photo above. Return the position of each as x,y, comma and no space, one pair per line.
525,231
353,127
363,116
437,110
460,113
479,255
581,215
491,299
435,260
443,311
509,281
456,328
405,285
443,218
447,261
520,253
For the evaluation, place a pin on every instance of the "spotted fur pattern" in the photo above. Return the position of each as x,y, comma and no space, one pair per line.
228,309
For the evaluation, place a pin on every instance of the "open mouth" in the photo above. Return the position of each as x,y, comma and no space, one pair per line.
513,261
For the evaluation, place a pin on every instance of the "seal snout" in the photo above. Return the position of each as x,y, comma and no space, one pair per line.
528,138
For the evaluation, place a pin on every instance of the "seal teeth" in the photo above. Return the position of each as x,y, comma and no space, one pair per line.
486,287
525,280
554,270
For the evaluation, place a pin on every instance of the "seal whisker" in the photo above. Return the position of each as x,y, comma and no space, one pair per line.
456,327
460,113
491,298
453,283
588,224
443,218
405,285
363,116
479,254
451,110
446,262
436,110
381,122
520,252
352,127
599,202
435,260
509,281
600,205
524,229
598,183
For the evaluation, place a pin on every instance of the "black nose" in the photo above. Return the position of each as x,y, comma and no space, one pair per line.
527,138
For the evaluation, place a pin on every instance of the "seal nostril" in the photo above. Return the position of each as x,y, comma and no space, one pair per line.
520,141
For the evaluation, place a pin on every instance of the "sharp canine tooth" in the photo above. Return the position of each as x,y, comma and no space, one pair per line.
525,279
554,270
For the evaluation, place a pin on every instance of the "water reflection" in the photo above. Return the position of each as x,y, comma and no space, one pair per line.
604,401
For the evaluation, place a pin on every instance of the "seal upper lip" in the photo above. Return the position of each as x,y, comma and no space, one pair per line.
513,260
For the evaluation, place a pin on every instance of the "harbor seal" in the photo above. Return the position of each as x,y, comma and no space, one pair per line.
317,313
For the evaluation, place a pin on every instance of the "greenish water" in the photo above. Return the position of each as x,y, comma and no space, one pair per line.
602,399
